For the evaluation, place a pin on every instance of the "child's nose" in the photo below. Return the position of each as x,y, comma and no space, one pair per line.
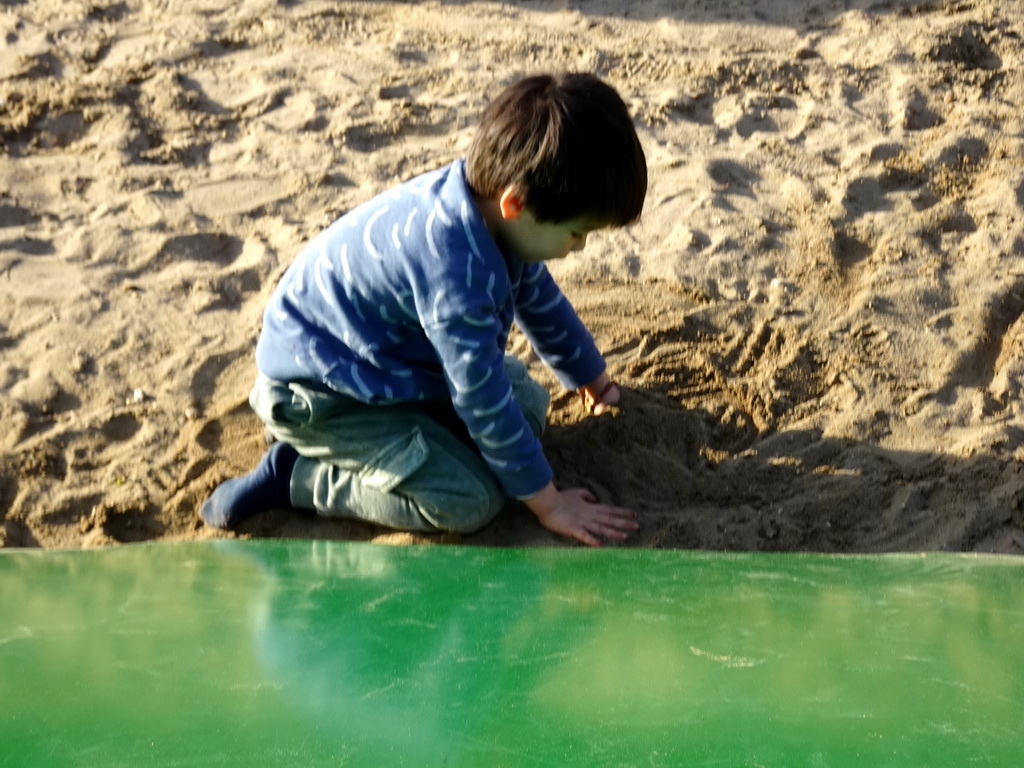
579,243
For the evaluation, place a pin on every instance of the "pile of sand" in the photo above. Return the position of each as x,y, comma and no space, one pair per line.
818,321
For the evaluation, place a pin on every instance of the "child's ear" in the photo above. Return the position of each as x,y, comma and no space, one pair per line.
511,203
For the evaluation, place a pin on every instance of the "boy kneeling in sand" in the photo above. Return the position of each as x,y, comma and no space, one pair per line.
382,366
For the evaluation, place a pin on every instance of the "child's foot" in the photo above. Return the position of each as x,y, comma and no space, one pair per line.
266,487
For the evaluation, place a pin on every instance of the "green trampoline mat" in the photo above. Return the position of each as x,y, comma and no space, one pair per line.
300,653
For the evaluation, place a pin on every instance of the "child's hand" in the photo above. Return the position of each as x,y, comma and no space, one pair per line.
600,395
579,516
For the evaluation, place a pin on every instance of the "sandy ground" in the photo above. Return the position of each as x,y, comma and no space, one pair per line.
818,323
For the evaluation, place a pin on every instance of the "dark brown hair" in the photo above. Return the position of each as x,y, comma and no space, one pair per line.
568,143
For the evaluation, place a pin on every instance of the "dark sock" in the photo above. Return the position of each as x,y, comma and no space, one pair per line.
266,487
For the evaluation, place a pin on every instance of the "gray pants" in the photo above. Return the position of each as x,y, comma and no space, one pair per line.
393,465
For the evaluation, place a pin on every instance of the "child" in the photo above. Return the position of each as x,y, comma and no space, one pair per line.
382,366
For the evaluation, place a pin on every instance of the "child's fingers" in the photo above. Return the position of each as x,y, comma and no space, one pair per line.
585,520
600,402
609,532
614,522
623,522
612,394
585,537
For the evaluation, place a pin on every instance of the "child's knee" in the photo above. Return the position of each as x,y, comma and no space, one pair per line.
468,510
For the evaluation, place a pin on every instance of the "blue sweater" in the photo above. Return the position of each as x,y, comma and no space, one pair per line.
408,298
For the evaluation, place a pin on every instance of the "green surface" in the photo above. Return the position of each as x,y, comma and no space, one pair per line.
265,653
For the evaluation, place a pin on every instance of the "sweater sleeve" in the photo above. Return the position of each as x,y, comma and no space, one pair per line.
474,367
555,331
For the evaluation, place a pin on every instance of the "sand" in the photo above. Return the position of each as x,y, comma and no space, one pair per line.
818,323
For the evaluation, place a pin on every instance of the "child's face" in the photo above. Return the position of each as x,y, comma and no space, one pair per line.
532,241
